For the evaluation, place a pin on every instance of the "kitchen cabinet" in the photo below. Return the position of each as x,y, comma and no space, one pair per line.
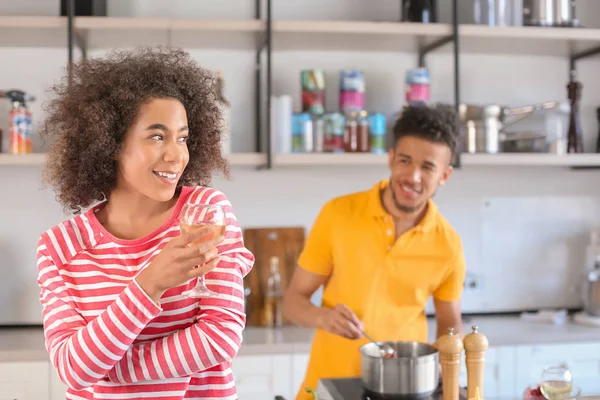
498,375
299,366
24,380
58,390
262,376
583,359
508,371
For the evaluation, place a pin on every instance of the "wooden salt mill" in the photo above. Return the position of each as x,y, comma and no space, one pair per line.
476,344
450,347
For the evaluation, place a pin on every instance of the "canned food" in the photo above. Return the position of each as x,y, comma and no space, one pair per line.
417,85
313,91
302,132
377,130
352,90
333,140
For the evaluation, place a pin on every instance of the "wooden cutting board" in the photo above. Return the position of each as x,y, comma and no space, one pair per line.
286,243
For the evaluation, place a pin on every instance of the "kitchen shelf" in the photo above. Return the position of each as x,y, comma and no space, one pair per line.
235,159
531,160
395,36
38,31
22,159
527,40
467,160
108,32
105,32
355,35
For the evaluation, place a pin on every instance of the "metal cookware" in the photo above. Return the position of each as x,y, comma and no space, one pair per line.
385,350
483,125
560,13
591,290
414,372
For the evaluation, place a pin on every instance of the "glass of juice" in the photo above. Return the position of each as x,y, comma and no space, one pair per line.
198,216
557,383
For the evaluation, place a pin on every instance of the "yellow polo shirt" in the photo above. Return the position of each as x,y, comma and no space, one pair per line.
386,282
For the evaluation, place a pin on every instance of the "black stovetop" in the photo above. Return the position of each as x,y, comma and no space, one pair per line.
352,389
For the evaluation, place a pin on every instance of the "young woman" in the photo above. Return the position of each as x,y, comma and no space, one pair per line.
136,136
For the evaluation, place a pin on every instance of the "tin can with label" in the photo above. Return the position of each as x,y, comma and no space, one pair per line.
313,91
352,90
334,133
417,85
302,132
377,131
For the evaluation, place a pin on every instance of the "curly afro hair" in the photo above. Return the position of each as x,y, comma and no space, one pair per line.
438,124
88,119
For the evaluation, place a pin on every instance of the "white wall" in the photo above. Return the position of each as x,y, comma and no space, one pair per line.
541,240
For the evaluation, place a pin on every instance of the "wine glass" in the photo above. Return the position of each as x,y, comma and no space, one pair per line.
198,216
556,382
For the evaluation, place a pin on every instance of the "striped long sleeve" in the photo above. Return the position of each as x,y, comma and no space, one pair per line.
84,352
216,336
108,339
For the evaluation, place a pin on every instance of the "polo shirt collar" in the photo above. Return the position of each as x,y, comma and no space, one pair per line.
376,208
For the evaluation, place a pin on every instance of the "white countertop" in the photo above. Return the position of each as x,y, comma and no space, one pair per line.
27,344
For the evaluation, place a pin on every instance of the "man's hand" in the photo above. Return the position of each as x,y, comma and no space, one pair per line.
341,321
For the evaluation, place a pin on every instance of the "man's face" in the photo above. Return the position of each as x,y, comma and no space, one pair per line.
417,167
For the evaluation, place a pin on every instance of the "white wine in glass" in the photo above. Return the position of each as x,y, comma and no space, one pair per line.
556,383
202,216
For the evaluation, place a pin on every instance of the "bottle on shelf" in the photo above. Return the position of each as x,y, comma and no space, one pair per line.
364,143
351,133
273,313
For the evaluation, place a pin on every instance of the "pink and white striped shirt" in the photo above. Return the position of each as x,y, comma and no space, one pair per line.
109,340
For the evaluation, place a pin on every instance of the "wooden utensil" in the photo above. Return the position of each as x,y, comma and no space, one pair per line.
285,243
450,347
476,344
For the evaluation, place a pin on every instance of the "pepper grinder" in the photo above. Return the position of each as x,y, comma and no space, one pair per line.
476,344
450,347
598,139
574,144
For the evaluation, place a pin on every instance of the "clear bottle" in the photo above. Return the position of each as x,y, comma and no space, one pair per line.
274,296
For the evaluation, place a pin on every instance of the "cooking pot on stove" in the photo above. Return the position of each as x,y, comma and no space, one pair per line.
414,372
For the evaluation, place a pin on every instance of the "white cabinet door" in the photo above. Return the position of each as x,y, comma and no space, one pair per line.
299,366
498,375
58,390
259,377
583,359
24,381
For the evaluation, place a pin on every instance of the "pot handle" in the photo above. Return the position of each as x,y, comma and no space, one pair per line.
521,112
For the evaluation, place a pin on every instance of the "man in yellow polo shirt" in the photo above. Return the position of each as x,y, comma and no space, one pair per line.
381,254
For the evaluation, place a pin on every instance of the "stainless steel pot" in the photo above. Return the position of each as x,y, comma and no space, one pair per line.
413,373
482,125
560,13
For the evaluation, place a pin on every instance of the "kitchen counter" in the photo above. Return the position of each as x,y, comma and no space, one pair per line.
27,344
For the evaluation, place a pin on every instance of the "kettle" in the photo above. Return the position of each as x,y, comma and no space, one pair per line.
591,290
591,280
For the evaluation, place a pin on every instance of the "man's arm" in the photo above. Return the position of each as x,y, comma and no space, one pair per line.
315,266
447,296
297,306
447,314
